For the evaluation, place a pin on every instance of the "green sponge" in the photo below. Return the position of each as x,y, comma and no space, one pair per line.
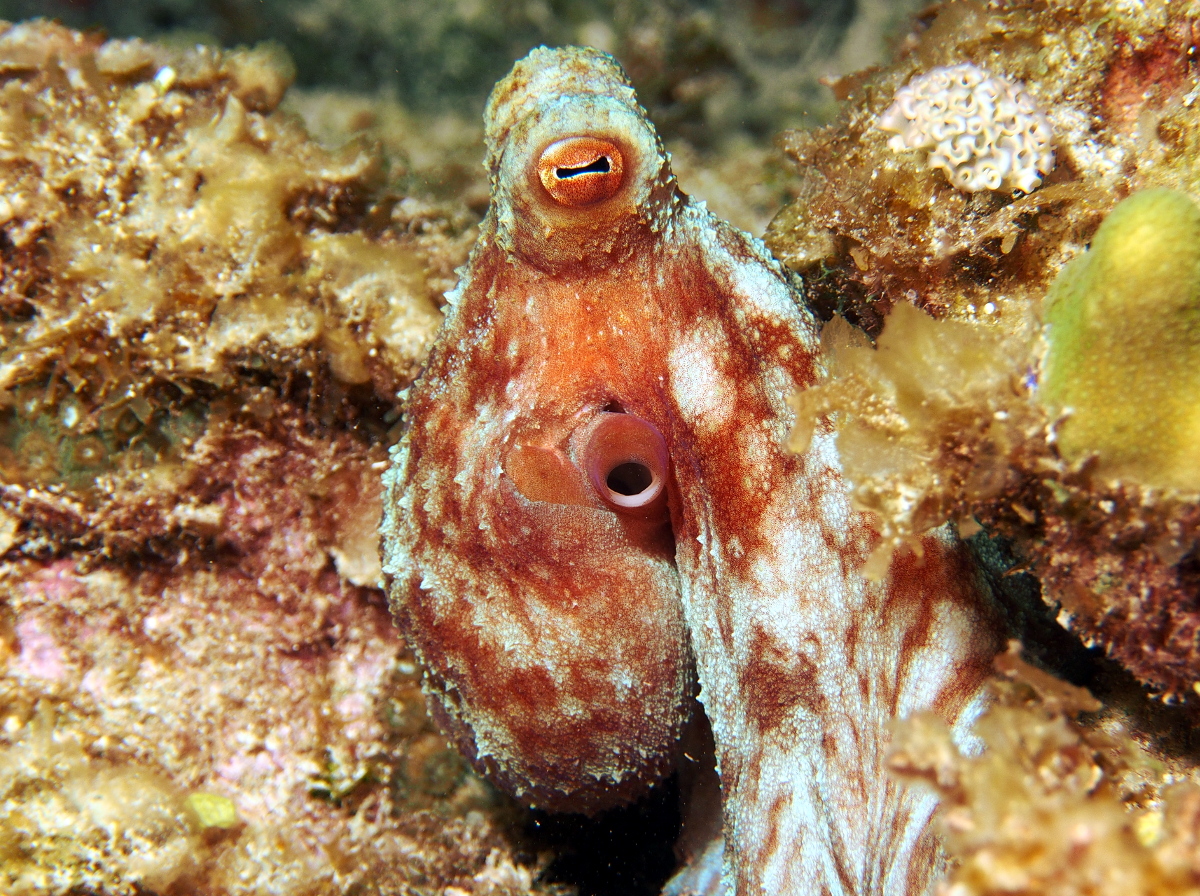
1124,357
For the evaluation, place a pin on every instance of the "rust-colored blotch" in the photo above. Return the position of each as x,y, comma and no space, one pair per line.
581,171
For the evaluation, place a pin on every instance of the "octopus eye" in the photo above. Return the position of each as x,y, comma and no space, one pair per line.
581,171
626,461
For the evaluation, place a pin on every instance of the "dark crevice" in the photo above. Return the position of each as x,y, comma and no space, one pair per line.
622,852
1034,622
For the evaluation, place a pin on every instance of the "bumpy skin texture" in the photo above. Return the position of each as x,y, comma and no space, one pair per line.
555,629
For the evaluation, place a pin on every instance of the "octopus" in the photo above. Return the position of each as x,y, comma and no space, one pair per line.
593,529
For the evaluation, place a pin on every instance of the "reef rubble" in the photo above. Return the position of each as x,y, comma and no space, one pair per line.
205,319
949,415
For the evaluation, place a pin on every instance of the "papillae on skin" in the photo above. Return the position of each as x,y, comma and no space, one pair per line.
563,638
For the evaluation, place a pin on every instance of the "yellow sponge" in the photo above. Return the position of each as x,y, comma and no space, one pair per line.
1124,358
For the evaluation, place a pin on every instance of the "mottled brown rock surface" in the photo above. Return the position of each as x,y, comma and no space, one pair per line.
947,420
205,319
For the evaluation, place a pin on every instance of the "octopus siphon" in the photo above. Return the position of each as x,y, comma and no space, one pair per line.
591,517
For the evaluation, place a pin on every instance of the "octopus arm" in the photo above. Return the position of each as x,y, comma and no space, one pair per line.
803,663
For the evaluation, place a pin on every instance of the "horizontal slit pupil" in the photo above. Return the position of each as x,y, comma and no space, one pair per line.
599,166
630,478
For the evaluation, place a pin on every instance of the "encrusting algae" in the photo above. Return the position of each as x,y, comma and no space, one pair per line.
205,319
1005,410
1053,804
175,256
930,417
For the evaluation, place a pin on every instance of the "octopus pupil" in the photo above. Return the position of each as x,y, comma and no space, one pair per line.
630,478
599,166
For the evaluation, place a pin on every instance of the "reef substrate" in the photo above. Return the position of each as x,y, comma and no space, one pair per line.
205,321
949,312
947,415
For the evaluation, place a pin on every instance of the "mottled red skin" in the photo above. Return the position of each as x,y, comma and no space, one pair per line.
556,634
590,366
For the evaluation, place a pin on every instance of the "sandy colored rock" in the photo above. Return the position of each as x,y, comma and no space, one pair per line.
955,419
1053,804
205,319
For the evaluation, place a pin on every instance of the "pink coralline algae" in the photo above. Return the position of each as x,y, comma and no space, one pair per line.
592,508
204,319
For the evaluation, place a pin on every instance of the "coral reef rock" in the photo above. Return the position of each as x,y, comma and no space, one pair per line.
205,319
1038,396
1051,804
871,228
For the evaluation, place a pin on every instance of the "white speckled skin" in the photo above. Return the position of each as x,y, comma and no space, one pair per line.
647,303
